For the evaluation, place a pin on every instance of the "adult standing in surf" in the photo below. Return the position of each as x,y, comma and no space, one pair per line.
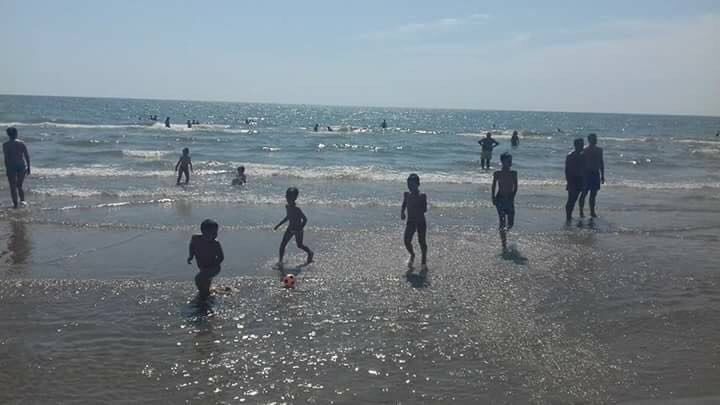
594,174
16,156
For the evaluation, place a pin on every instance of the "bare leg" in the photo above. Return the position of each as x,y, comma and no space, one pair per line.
202,282
12,180
19,183
570,205
422,232
299,242
407,238
286,238
593,196
582,203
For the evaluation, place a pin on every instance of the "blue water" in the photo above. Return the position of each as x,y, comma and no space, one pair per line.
89,150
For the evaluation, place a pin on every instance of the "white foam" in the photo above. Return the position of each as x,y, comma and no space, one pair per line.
66,125
146,154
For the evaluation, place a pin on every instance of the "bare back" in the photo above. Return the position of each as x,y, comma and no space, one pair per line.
15,152
593,157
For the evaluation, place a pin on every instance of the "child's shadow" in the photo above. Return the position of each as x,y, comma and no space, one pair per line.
419,280
511,252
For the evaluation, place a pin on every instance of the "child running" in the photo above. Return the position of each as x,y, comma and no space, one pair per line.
506,183
184,166
416,204
240,179
297,221
208,255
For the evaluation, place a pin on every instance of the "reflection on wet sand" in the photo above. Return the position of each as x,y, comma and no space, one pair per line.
19,246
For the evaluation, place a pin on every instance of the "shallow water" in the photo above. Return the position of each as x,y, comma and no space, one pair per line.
97,299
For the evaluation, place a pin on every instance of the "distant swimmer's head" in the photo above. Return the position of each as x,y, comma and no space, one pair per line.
241,170
592,139
413,182
209,228
506,159
579,144
12,132
186,151
291,195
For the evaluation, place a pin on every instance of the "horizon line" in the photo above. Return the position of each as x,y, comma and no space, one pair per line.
367,106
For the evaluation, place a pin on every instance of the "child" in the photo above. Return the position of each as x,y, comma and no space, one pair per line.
416,205
240,179
184,166
297,221
208,255
506,183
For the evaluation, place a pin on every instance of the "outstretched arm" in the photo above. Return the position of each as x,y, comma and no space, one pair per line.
281,222
602,168
515,184
177,165
424,200
403,207
191,168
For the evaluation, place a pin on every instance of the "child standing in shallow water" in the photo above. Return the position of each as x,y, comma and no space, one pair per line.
297,221
208,255
416,204
184,166
506,183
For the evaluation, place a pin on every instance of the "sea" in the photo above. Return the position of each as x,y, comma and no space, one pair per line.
98,302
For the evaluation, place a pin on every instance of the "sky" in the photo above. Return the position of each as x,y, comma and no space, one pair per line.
640,56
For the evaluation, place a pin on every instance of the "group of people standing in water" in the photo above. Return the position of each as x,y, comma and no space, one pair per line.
584,170
584,174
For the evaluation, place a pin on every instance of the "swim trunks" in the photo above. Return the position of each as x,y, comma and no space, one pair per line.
486,155
592,180
505,205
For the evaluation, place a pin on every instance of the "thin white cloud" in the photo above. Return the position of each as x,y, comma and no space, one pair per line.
410,30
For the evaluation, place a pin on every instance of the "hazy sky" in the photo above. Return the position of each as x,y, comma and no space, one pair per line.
605,56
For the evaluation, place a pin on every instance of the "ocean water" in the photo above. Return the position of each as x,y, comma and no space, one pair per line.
97,298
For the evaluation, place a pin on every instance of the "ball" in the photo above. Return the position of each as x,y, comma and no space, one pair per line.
289,281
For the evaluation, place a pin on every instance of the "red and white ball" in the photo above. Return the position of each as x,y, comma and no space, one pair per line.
289,281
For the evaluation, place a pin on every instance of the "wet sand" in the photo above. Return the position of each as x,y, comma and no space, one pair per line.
600,314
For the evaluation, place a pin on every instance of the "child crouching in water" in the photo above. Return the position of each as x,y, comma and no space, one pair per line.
297,221
416,204
208,255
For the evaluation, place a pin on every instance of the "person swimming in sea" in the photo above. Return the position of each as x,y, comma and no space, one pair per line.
184,166
515,139
296,224
241,179
384,124
594,174
316,127
415,203
17,165
505,181
167,122
189,124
